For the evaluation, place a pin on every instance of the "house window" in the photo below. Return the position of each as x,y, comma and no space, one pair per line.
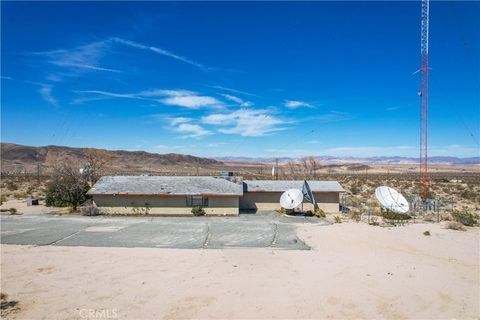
194,201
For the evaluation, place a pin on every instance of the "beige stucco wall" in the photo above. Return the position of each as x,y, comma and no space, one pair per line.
162,205
327,201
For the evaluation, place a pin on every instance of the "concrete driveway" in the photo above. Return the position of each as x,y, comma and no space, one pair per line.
244,231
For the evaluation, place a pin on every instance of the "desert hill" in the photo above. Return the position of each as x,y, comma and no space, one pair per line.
21,158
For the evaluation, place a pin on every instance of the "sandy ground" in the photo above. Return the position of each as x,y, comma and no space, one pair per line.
353,271
23,208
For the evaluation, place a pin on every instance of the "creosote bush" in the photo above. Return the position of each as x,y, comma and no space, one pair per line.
355,215
389,215
198,211
454,225
337,219
282,210
426,233
320,213
465,218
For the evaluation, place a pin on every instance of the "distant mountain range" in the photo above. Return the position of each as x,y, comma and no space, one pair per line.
15,158
21,158
364,160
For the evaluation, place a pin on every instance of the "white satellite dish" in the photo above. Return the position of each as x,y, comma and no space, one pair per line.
391,199
291,198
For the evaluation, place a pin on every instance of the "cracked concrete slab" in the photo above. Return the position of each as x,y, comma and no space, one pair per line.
245,231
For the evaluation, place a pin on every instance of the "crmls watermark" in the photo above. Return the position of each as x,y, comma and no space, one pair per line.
98,313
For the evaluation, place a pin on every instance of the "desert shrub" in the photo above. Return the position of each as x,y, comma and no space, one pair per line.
282,210
468,195
465,218
430,217
389,215
426,233
319,213
309,213
198,211
355,215
454,225
355,189
19,195
12,210
446,216
337,219
30,190
137,209
89,209
12,186
3,198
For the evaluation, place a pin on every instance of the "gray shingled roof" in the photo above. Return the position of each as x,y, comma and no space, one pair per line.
174,185
284,185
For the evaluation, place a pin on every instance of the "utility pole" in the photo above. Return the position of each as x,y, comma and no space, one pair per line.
276,168
38,173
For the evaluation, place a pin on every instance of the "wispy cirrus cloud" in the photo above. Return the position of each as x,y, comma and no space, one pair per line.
160,51
46,93
241,92
85,57
245,122
182,98
239,101
392,108
294,104
45,90
178,120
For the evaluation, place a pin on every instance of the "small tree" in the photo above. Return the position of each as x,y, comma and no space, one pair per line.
96,161
310,166
68,188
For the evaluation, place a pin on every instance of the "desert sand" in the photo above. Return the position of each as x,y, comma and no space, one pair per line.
353,271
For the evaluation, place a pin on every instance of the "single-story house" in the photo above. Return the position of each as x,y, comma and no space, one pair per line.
265,194
172,195
226,195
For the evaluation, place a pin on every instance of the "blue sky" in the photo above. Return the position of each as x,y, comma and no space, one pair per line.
239,79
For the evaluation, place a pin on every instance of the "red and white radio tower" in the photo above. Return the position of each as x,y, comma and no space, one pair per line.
423,93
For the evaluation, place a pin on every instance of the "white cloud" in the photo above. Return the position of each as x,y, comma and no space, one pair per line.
191,101
217,144
111,94
178,120
84,57
192,130
46,92
182,98
249,123
235,91
293,104
159,51
238,100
